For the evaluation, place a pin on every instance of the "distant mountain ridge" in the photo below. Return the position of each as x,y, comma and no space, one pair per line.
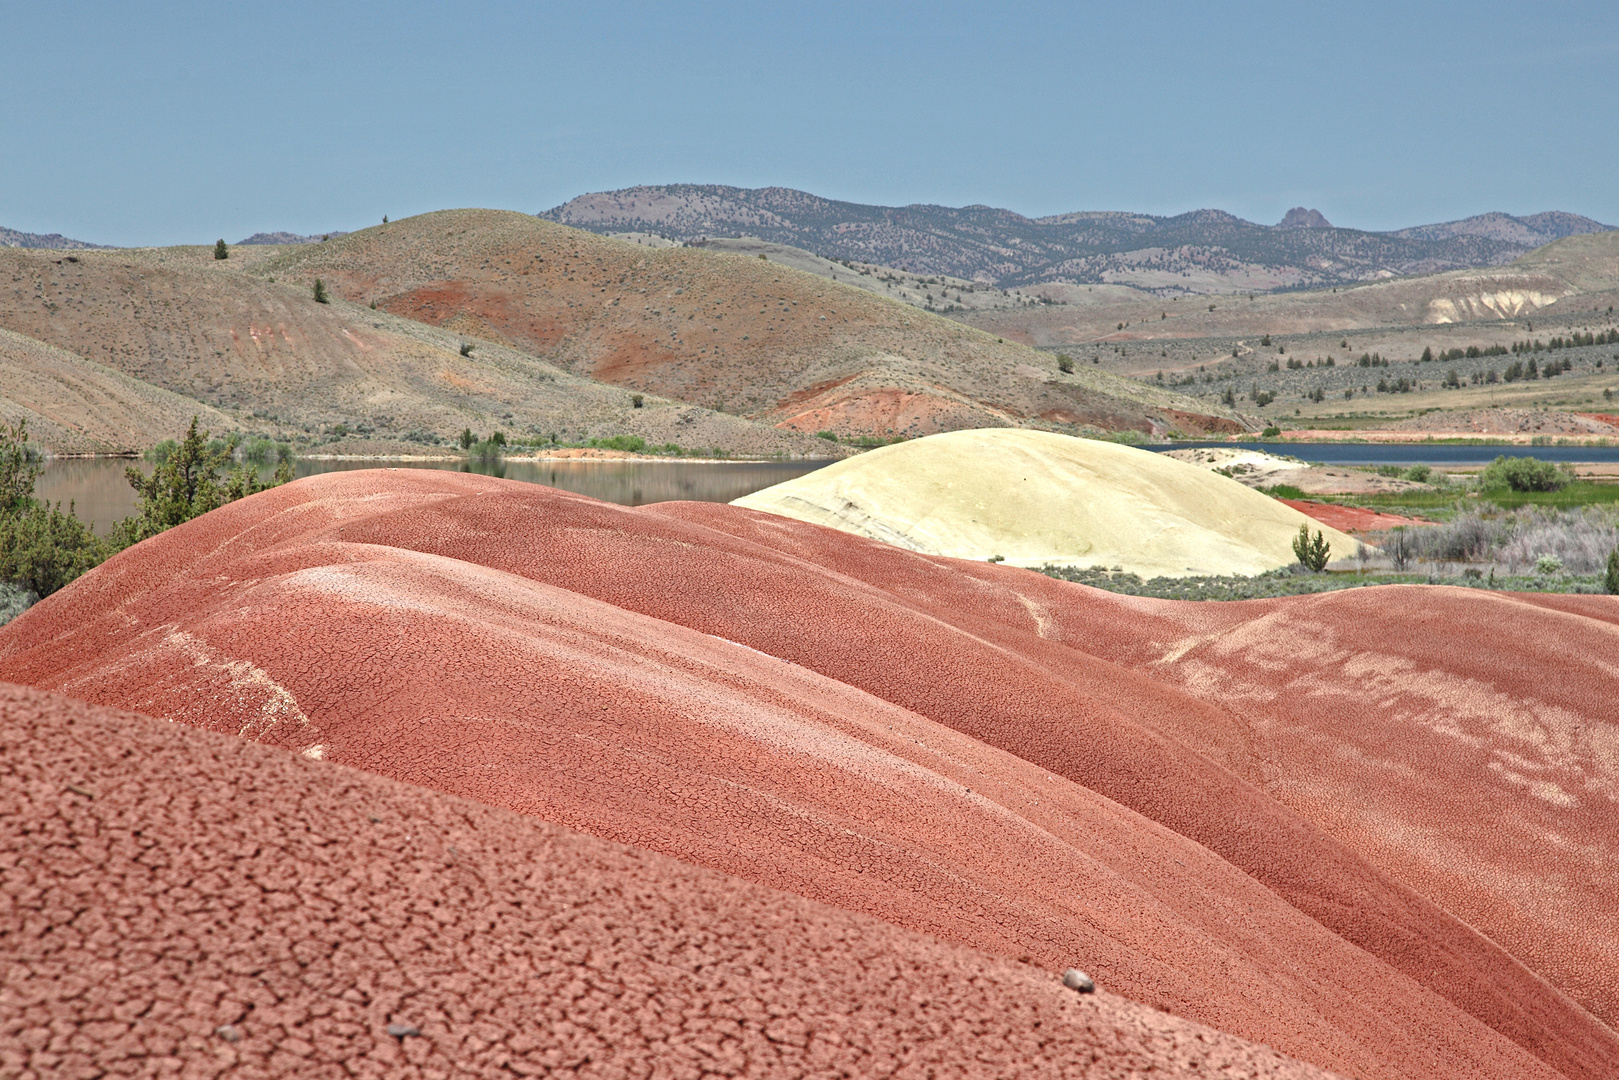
51,241
1200,251
288,238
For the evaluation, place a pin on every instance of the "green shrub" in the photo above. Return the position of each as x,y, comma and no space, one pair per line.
1284,491
258,451
41,548
632,444
1065,364
829,436
487,453
320,292
19,468
1525,474
188,484
467,438
1610,580
1312,553
1418,473
220,250
466,348
1271,432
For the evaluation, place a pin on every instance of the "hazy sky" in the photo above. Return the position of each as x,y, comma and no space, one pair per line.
183,122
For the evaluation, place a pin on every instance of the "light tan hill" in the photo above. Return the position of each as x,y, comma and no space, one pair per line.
1035,498
1562,273
734,333
264,352
75,406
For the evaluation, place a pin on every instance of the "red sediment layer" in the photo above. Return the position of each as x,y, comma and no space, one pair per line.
180,901
953,747
1351,519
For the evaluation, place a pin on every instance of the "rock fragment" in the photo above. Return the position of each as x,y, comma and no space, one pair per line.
1076,979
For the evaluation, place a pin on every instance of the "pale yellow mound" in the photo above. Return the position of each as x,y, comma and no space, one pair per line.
1034,498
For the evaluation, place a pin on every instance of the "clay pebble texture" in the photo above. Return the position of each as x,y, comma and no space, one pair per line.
932,742
1035,498
177,902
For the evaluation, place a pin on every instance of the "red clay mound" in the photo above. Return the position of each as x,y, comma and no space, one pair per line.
1351,519
178,902
555,655
1463,740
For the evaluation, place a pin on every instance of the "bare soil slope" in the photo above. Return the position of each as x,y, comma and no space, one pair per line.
1035,498
739,334
920,739
272,358
179,901
75,406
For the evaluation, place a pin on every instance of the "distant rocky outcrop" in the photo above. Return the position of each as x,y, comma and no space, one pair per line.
289,238
1300,218
52,241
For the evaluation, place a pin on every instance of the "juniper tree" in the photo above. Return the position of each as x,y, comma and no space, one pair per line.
1312,552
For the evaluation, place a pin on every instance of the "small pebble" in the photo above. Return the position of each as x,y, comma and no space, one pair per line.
400,1031
1076,979
228,1032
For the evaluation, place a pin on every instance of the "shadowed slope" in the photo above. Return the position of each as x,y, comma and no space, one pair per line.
734,333
378,619
178,900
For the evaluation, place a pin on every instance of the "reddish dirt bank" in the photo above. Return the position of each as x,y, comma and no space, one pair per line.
1350,519
180,902
942,749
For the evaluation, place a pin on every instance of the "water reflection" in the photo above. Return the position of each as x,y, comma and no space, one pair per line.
102,495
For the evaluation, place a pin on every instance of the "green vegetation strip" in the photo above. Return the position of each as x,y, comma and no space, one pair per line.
1293,582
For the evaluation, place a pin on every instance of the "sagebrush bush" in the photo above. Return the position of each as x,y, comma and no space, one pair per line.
1579,539
1525,474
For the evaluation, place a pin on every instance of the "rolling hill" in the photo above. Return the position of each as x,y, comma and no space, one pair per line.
734,333
1204,808
272,359
1204,251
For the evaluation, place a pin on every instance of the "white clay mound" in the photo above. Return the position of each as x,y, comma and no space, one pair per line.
1034,498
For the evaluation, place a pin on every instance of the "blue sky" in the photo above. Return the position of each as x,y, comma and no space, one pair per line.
182,122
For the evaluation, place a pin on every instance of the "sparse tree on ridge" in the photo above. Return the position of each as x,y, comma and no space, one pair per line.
220,250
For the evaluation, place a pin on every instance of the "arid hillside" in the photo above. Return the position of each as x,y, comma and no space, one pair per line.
75,406
742,335
1190,805
1577,271
266,354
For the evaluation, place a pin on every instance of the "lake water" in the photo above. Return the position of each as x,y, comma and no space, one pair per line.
1412,453
101,495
